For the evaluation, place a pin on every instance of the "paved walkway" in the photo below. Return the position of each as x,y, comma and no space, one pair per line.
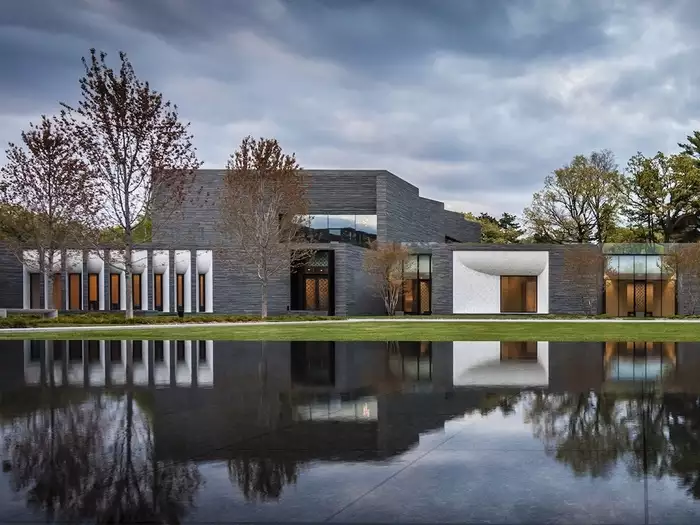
92,328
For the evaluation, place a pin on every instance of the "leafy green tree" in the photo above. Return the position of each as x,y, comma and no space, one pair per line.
506,230
580,202
663,196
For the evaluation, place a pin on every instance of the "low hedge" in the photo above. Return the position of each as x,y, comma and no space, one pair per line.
88,319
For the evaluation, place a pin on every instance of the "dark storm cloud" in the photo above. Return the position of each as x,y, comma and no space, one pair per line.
472,101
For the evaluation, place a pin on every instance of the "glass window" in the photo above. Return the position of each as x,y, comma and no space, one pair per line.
136,291
424,266
367,224
353,229
625,264
640,266
74,289
318,222
158,291
93,291
340,222
201,280
114,291
180,290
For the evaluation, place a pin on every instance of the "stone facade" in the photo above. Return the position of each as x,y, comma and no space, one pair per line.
403,215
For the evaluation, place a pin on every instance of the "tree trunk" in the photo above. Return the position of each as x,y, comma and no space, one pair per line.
128,272
48,291
263,303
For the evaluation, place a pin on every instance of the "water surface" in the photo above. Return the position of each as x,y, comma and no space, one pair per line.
202,431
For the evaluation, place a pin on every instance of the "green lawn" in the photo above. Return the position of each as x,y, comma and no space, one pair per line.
397,331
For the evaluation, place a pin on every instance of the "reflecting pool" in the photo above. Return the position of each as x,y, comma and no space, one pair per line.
216,431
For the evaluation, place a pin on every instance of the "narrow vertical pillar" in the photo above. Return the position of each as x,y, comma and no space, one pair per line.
194,279
151,279
84,282
172,284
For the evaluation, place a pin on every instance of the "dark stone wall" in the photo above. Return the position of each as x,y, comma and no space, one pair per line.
11,279
342,192
402,215
457,227
355,293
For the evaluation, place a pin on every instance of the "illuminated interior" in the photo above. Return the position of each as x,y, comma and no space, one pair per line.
640,286
518,294
638,361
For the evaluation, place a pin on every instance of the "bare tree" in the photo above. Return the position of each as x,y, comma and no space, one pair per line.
134,141
263,204
48,197
684,260
384,263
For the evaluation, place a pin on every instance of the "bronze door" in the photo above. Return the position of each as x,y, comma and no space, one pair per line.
316,293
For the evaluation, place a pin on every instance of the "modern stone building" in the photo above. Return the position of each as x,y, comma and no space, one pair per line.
186,268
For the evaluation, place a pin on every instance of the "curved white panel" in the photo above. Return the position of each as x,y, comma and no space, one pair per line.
476,282
95,264
116,260
74,261
182,261
203,261
160,261
504,263
478,363
139,261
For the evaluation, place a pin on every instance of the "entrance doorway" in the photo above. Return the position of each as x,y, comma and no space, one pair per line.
312,284
316,292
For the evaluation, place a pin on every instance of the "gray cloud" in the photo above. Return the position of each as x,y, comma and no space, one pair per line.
474,102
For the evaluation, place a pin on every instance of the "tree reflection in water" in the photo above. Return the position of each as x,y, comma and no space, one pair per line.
94,460
652,434
262,479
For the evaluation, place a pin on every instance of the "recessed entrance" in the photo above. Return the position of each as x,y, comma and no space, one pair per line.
312,285
640,286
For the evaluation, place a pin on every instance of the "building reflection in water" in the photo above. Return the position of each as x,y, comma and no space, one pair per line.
639,361
116,363
501,363
270,409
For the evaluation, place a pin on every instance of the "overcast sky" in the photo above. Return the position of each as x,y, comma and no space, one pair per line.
473,101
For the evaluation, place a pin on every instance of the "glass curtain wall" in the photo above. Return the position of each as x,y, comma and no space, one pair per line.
640,285
417,284
353,229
